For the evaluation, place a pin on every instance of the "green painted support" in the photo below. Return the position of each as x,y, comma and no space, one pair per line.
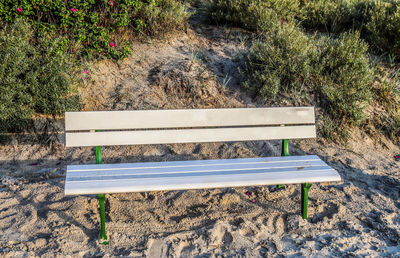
98,155
103,235
304,199
102,199
285,148
285,152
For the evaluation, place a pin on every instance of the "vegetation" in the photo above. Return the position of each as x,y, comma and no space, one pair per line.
281,64
386,93
257,15
286,62
377,21
310,52
43,44
97,27
35,77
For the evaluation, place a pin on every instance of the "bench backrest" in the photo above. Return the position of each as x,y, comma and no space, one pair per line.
187,126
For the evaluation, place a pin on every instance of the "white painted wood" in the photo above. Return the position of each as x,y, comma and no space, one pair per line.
191,163
180,175
190,173
199,183
196,174
141,119
200,179
189,135
189,169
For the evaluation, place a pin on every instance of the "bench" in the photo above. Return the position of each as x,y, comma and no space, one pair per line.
107,128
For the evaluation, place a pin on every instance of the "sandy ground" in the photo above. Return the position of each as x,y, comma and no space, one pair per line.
357,217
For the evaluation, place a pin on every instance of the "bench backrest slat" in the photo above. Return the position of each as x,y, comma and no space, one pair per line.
187,126
190,135
147,119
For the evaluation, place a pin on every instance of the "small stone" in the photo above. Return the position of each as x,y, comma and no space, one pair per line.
40,242
153,152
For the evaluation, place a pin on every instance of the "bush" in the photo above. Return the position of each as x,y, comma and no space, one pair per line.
377,21
35,78
92,27
281,64
386,89
163,16
332,72
256,15
345,78
383,27
331,16
288,63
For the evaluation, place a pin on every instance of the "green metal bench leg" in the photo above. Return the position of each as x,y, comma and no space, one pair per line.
103,235
102,199
304,199
285,152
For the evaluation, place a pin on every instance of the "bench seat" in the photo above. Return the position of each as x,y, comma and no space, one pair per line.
196,174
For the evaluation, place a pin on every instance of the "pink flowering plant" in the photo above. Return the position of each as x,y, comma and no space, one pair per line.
92,24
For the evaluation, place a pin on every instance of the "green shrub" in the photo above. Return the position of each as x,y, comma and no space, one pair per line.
332,72
93,27
377,21
386,116
281,64
256,15
288,63
331,16
163,16
345,77
383,27
34,76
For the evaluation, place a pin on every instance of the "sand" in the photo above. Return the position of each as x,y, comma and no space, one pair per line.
359,216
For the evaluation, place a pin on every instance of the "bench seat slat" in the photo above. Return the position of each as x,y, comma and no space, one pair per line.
193,169
141,119
197,180
201,182
189,135
104,178
117,166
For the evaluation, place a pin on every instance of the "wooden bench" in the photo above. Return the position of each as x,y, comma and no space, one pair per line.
105,128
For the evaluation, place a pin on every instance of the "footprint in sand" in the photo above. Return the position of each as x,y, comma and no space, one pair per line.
221,235
157,248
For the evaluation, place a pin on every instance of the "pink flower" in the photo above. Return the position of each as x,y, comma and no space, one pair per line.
19,9
86,71
83,78
73,10
111,44
248,193
111,3
253,201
